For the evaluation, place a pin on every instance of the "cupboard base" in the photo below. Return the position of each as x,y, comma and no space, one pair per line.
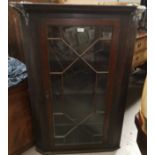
106,149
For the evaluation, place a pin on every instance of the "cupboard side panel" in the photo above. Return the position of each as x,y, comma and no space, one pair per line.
122,74
35,80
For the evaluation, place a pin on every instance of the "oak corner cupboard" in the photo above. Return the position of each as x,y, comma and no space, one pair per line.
78,59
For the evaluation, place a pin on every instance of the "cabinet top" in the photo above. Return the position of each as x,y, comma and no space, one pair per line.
29,7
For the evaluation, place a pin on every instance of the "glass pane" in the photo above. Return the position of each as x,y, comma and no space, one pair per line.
57,92
79,59
80,37
98,55
59,59
100,92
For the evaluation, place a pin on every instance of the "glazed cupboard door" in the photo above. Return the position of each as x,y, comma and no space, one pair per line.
80,57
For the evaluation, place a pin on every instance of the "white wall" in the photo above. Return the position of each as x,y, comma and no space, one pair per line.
96,1
131,1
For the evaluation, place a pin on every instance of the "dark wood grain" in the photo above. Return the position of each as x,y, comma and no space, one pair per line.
15,46
14,36
20,119
121,19
124,60
70,8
